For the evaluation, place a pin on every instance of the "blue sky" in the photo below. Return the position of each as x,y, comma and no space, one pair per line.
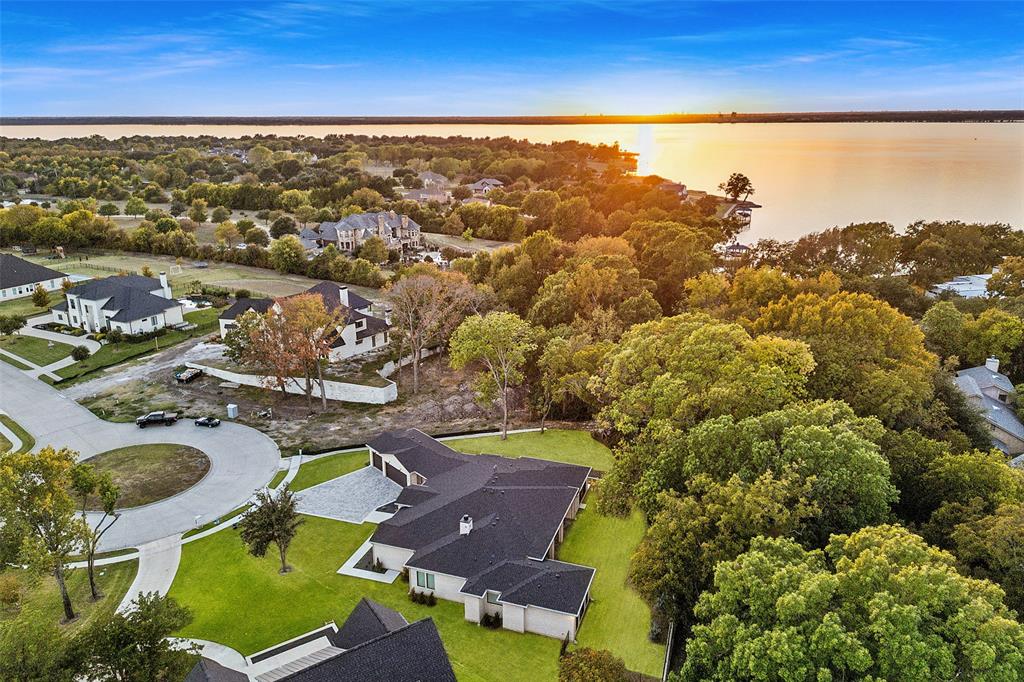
435,57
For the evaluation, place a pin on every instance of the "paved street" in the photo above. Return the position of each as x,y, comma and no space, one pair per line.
241,459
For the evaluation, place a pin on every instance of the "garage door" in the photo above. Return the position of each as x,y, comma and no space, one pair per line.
396,475
378,462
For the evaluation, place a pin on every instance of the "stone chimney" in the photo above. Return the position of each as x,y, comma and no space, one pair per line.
387,316
992,365
466,524
380,225
165,285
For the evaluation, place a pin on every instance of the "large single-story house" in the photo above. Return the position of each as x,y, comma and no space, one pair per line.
482,530
19,277
397,231
374,643
132,303
992,392
968,286
485,185
432,179
361,333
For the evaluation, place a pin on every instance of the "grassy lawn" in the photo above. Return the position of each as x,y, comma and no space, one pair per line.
245,603
558,445
210,524
114,354
27,441
25,307
41,599
38,351
11,361
147,473
326,468
617,620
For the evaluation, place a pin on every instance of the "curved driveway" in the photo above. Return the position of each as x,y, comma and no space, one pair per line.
242,459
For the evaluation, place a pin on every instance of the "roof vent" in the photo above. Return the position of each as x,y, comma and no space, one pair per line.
466,524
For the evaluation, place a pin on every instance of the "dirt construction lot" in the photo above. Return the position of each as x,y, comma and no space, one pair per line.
444,404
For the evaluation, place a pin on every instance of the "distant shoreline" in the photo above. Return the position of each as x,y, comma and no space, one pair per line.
950,116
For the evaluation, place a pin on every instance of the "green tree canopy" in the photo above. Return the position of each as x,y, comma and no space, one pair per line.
878,604
867,353
690,367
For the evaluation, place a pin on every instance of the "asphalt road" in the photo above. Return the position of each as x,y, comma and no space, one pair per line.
242,459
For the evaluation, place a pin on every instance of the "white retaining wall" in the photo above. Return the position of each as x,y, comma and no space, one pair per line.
336,390
391,366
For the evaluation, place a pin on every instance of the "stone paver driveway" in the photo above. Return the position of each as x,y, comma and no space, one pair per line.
351,497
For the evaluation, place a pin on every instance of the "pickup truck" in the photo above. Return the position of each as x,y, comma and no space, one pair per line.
165,418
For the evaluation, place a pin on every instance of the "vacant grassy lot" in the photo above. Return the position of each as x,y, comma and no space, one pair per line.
558,445
27,441
617,620
326,468
245,603
147,473
41,598
37,351
226,275
116,353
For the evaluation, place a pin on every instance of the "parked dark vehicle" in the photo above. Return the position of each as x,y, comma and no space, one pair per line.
187,375
165,418
209,422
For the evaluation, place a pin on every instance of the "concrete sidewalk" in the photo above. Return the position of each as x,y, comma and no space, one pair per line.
158,562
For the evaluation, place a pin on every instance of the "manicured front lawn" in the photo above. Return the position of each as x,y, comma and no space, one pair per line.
41,600
326,468
25,307
245,603
558,445
147,473
37,351
113,354
617,620
27,441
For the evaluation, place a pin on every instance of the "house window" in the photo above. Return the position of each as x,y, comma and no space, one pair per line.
152,321
1003,397
425,580
492,597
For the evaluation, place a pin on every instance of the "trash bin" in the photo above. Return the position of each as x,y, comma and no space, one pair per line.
232,411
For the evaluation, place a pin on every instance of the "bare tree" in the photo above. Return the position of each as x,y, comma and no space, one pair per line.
426,307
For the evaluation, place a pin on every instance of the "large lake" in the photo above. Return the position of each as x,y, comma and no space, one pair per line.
808,176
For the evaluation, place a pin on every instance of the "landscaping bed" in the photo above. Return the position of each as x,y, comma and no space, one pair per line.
147,473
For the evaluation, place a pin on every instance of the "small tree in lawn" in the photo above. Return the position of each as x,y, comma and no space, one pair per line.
40,297
134,207
273,520
86,482
66,285
500,343
35,493
11,323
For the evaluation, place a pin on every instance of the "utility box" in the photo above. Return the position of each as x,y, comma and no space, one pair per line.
232,411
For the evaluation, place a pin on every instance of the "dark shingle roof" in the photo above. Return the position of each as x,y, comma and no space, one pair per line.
368,620
413,653
16,272
517,507
242,305
554,585
207,670
128,294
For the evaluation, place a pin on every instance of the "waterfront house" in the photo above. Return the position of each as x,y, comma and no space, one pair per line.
483,530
